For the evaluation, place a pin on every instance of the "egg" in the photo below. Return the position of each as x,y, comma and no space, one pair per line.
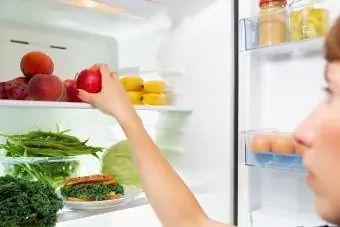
299,149
261,143
282,144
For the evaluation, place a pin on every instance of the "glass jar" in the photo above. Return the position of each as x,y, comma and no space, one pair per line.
272,24
308,22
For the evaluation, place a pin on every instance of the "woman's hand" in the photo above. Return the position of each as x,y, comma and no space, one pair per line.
112,99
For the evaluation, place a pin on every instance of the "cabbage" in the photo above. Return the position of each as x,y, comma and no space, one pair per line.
118,160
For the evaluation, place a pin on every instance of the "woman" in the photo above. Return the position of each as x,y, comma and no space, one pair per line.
319,134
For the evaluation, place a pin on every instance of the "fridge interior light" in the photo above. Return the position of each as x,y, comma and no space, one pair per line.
99,6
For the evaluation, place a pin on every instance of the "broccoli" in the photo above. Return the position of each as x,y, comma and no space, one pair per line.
92,191
25,203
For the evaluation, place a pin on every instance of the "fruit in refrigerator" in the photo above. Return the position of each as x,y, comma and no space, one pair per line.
19,80
135,97
155,86
71,91
261,143
153,99
8,88
90,80
36,62
46,88
20,92
132,83
282,144
2,90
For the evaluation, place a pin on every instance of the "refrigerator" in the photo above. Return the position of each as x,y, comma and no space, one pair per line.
280,78
227,87
187,44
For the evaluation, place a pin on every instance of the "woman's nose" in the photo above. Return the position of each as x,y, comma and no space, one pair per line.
305,133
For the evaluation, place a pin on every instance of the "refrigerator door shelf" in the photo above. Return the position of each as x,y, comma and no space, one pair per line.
270,160
295,30
269,148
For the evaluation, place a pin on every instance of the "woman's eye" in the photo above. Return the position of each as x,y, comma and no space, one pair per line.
328,90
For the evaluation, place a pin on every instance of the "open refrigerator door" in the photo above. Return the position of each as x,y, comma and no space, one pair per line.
280,71
178,43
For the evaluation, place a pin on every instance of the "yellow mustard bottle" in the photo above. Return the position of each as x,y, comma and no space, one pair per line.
273,27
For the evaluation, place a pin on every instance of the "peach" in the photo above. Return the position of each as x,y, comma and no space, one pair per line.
46,88
36,62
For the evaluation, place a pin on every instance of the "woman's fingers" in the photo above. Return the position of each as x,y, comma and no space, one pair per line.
85,96
106,75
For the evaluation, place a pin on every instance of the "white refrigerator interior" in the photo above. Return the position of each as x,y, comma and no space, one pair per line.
279,86
188,44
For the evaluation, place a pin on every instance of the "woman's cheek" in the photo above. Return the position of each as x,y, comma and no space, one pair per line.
326,154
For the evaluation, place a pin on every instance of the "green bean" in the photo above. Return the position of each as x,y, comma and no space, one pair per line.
55,135
45,152
45,144
49,144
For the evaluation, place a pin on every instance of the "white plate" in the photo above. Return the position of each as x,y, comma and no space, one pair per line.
130,194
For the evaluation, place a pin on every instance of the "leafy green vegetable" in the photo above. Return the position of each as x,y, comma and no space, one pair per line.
53,173
117,160
24,203
46,144
97,191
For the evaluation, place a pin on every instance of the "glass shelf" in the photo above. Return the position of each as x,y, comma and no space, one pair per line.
287,48
69,215
271,149
71,105
296,29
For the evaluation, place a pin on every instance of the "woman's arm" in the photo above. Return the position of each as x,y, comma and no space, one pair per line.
170,198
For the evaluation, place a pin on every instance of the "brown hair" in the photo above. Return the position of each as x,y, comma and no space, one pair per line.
332,43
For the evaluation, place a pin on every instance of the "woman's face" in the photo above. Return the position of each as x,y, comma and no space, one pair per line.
320,136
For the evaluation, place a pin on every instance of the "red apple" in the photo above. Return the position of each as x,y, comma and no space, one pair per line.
71,91
90,80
